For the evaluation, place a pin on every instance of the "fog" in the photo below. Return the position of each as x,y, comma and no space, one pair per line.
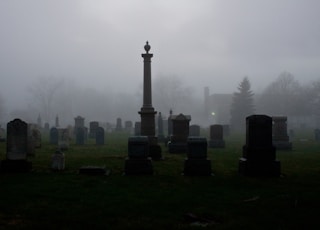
94,48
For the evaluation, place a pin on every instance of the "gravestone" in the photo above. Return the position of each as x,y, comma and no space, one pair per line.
58,161
64,138
180,133
138,161
137,128
54,136
119,125
280,136
259,154
80,136
94,125
196,163
99,136
194,130
216,137
36,135
17,148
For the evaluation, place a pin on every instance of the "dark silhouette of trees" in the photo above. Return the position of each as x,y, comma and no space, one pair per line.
242,106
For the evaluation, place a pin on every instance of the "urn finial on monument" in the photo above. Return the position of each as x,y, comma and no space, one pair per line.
147,47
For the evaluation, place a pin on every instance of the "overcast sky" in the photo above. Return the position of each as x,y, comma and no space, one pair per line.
211,43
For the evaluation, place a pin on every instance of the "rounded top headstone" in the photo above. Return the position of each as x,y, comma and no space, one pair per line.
147,47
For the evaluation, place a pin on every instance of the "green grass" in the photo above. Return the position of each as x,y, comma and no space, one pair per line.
66,200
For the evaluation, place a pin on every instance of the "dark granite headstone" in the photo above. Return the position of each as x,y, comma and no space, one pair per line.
196,163
259,154
180,133
137,128
54,136
99,136
80,136
138,162
17,148
216,137
280,136
93,128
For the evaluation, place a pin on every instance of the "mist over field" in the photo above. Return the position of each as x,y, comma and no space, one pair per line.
82,57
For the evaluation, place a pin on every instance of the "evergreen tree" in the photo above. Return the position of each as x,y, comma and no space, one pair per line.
242,105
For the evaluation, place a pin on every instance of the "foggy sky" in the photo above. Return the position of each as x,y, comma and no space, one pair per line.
215,43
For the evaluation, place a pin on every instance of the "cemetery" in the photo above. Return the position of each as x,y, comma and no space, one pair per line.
133,177
55,194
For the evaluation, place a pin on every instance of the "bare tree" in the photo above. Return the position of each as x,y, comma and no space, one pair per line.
43,91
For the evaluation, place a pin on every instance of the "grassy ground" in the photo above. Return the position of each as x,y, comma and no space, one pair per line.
46,200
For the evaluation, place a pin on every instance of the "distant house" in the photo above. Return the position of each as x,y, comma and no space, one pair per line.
217,107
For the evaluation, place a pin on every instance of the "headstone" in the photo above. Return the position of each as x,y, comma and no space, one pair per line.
58,161
137,128
259,154
119,125
194,130
64,138
94,125
80,136
78,123
99,136
216,137
17,148
54,136
138,162
36,135
279,133
180,133
196,163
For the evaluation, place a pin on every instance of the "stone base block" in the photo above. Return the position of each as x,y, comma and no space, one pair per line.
197,167
259,168
177,147
15,166
138,167
155,152
282,145
94,170
217,144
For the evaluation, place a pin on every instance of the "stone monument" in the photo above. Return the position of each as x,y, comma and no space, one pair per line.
280,136
180,133
216,137
147,112
259,154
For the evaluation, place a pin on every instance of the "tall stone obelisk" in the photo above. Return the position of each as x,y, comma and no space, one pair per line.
147,112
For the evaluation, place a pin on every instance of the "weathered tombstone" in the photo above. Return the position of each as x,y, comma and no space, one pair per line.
137,128
138,162
78,123
119,125
196,163
194,130
58,161
80,136
54,136
64,137
180,133
99,136
17,147
94,125
279,133
216,137
259,154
